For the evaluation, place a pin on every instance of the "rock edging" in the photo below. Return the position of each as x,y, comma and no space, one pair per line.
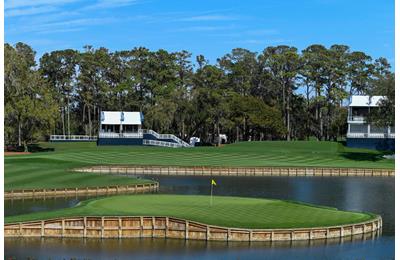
169,227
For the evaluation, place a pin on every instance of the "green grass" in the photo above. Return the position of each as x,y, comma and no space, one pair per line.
225,211
53,169
41,173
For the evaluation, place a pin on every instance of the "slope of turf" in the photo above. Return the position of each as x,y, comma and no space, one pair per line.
225,211
53,169
41,173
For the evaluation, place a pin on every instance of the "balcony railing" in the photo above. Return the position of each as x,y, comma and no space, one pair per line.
356,118
72,138
120,135
370,135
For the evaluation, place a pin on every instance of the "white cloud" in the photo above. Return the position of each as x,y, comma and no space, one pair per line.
202,28
102,4
262,32
211,17
12,4
29,11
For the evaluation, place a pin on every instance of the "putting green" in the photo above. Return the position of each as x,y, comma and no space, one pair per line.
225,211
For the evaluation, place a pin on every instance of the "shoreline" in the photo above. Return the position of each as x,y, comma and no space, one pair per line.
70,192
170,227
233,171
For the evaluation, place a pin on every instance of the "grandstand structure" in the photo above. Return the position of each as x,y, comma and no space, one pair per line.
362,133
125,128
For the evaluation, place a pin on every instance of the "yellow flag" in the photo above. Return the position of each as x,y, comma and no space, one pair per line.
213,182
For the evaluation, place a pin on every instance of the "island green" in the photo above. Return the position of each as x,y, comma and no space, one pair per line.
225,211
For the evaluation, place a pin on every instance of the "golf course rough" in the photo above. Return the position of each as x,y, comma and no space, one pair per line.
172,212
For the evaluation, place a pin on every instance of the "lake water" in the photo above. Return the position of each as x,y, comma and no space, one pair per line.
371,194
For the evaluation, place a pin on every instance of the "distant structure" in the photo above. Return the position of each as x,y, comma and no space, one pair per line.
360,133
125,128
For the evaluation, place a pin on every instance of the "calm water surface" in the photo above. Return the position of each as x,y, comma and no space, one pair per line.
374,195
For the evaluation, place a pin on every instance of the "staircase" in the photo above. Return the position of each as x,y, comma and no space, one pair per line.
164,140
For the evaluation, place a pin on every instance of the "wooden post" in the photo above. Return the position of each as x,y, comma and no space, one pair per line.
141,226
311,234
166,223
42,229
250,235
327,233
208,233
20,229
229,235
153,224
187,229
102,227
272,235
84,227
62,227
119,227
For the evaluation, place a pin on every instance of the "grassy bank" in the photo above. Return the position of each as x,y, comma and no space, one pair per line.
225,211
52,169
46,173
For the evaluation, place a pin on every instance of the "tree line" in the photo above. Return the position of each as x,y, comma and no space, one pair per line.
280,93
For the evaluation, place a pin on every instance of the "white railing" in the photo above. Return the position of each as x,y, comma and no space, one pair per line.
72,138
370,135
166,136
122,135
139,134
356,118
161,143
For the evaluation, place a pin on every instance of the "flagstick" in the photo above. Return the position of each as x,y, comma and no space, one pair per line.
211,195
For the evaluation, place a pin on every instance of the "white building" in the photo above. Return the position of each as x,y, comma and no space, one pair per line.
360,132
120,124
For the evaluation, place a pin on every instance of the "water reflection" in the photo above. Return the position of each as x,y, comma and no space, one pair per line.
371,194
148,248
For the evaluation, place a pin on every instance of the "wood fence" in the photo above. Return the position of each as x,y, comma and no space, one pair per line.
167,227
234,171
68,192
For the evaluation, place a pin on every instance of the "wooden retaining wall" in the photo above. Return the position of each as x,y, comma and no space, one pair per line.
68,192
235,171
167,227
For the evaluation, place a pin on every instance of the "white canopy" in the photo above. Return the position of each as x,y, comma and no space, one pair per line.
365,101
121,117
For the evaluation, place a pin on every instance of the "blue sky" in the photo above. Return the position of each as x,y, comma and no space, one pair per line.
211,28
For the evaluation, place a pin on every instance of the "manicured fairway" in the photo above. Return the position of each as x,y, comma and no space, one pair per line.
225,211
52,169
41,173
